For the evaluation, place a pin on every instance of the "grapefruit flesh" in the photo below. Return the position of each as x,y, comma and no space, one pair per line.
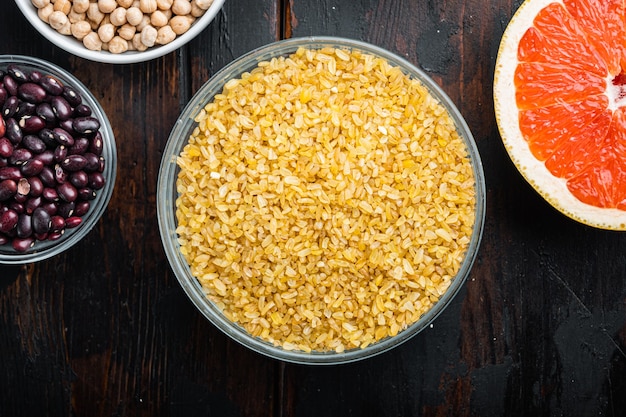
559,94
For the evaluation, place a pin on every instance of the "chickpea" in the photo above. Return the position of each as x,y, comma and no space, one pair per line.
118,16
45,12
149,36
80,29
145,21
106,32
63,6
137,44
165,35
92,42
203,4
80,6
181,24
107,6
94,14
66,28
181,7
134,15
147,6
196,11
121,25
40,4
158,19
164,4
127,32
118,45
76,17
57,20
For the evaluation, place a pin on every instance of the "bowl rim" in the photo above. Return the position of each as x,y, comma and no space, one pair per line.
45,249
75,47
166,193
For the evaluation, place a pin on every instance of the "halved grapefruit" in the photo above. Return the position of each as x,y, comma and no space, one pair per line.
560,103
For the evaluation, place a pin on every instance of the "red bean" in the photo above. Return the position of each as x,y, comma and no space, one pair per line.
18,207
47,157
51,85
41,221
57,223
67,192
31,92
32,167
56,234
25,108
80,146
79,179
60,175
96,145
31,124
32,203
18,74
71,95
51,160
10,84
34,144
50,207
66,209
60,153
8,188
86,125
96,180
24,225
72,222
8,220
82,110
14,132
61,108
47,176
74,163
3,96
23,244
62,136
36,186
50,194
20,156
93,162
86,193
9,108
44,110
81,208
6,147
10,173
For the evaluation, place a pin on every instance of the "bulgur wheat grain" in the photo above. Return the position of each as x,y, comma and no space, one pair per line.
326,200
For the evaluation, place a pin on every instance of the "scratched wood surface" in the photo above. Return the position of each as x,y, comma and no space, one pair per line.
105,330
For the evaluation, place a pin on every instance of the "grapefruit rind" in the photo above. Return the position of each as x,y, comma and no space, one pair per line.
553,189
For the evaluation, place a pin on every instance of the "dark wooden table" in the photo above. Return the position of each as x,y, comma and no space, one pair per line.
104,329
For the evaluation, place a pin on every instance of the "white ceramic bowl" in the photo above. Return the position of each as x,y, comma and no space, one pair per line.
75,47
167,195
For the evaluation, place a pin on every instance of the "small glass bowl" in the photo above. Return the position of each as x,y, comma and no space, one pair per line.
45,248
167,195
76,47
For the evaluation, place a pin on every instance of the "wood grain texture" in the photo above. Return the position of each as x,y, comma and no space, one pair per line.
105,330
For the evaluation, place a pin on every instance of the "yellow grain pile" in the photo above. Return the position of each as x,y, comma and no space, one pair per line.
326,200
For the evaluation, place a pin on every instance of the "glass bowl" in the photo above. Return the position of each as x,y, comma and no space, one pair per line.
167,196
76,47
43,249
